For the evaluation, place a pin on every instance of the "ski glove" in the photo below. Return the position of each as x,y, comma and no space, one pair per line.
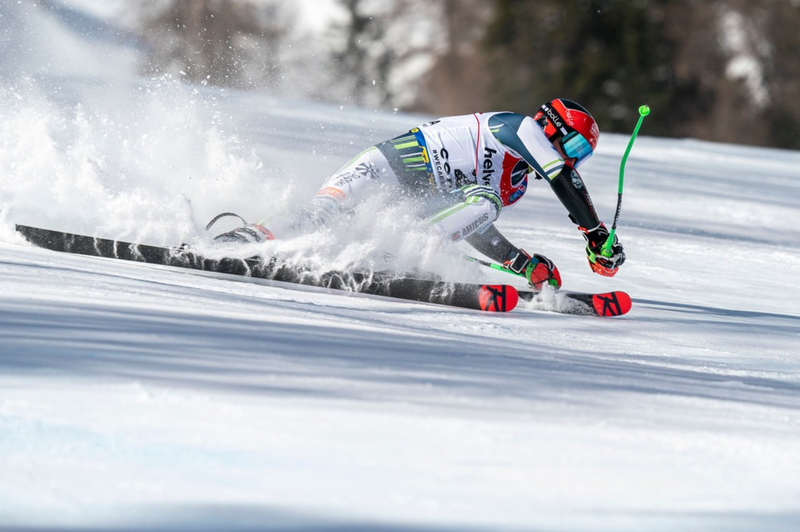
537,269
248,234
600,264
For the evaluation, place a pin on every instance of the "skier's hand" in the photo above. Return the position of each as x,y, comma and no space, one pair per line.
601,264
248,234
537,269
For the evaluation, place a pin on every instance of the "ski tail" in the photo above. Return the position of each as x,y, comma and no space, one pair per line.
611,303
498,298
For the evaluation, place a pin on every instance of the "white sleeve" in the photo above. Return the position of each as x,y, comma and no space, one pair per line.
541,155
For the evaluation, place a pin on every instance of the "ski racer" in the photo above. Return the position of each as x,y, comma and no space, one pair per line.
463,172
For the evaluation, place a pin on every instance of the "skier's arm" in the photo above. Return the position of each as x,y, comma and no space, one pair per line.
570,189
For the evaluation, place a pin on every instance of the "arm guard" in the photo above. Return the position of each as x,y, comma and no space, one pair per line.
570,189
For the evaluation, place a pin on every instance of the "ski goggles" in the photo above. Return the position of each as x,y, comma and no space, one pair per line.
576,146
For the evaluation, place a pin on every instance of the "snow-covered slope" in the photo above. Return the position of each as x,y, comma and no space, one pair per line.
135,397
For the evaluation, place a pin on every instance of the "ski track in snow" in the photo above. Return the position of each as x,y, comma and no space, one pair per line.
135,397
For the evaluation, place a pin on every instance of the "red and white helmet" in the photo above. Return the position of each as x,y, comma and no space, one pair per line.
569,127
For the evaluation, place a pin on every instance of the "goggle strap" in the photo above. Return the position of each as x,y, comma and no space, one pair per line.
544,110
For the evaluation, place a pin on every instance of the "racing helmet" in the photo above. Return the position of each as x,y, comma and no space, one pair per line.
570,127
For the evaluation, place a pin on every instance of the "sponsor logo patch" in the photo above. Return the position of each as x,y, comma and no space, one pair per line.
554,118
367,170
517,194
576,179
441,162
334,193
595,131
488,165
475,225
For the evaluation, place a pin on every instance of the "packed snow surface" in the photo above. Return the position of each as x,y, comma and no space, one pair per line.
139,397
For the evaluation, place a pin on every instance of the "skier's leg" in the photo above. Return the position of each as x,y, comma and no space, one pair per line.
366,174
473,208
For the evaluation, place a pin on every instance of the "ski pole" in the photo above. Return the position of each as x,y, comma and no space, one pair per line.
495,266
644,110
491,265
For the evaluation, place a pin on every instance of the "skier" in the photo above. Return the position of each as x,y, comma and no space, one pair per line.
463,172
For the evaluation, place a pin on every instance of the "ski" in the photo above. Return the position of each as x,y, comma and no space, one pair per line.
484,297
565,302
607,304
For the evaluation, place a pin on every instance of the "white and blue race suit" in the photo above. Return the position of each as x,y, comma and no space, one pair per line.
470,168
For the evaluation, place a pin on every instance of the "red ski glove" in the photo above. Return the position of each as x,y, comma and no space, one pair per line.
600,264
537,269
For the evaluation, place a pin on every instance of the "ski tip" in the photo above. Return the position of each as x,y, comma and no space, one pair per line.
498,298
612,303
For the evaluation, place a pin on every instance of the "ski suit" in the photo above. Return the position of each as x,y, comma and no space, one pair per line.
465,171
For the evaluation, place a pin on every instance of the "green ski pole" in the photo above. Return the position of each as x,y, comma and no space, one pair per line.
492,265
643,112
